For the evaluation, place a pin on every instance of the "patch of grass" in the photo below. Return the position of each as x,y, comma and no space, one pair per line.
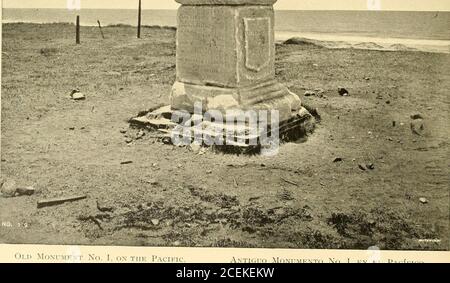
384,228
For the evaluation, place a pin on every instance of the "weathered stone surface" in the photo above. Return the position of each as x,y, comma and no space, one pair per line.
226,58
206,46
225,46
301,123
184,95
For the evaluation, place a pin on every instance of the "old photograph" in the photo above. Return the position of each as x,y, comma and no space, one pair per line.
287,124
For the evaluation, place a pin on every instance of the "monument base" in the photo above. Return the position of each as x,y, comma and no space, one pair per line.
269,95
243,139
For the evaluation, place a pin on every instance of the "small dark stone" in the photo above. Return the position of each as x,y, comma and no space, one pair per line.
310,93
25,191
167,140
104,208
343,92
416,116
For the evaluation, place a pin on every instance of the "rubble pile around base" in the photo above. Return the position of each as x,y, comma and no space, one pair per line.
237,138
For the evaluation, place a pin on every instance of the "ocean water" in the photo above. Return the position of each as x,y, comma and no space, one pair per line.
426,31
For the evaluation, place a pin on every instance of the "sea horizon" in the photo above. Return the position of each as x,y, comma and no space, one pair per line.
383,30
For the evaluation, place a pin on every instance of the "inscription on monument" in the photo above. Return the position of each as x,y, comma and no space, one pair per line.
206,46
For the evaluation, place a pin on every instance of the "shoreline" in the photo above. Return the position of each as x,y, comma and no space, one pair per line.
337,41
331,41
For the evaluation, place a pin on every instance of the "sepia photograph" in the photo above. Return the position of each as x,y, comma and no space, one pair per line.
254,124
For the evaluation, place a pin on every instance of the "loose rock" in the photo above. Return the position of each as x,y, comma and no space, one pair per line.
155,222
310,93
104,208
417,116
76,95
9,189
343,92
423,200
167,140
25,191
153,182
418,127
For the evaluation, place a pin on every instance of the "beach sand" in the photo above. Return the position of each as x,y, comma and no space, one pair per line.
172,196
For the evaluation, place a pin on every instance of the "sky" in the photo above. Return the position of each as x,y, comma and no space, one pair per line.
396,5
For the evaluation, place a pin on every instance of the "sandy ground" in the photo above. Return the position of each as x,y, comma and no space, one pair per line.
171,196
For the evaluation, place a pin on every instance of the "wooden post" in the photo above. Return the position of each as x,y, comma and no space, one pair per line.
139,20
78,30
101,31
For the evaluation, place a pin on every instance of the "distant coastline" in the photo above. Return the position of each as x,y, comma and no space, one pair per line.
393,31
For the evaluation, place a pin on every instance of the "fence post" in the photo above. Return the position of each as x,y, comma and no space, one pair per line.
78,30
139,20
101,31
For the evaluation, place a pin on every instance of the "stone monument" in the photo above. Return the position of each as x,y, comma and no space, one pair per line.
226,61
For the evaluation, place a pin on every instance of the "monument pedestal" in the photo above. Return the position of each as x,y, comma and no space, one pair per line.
226,58
226,62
